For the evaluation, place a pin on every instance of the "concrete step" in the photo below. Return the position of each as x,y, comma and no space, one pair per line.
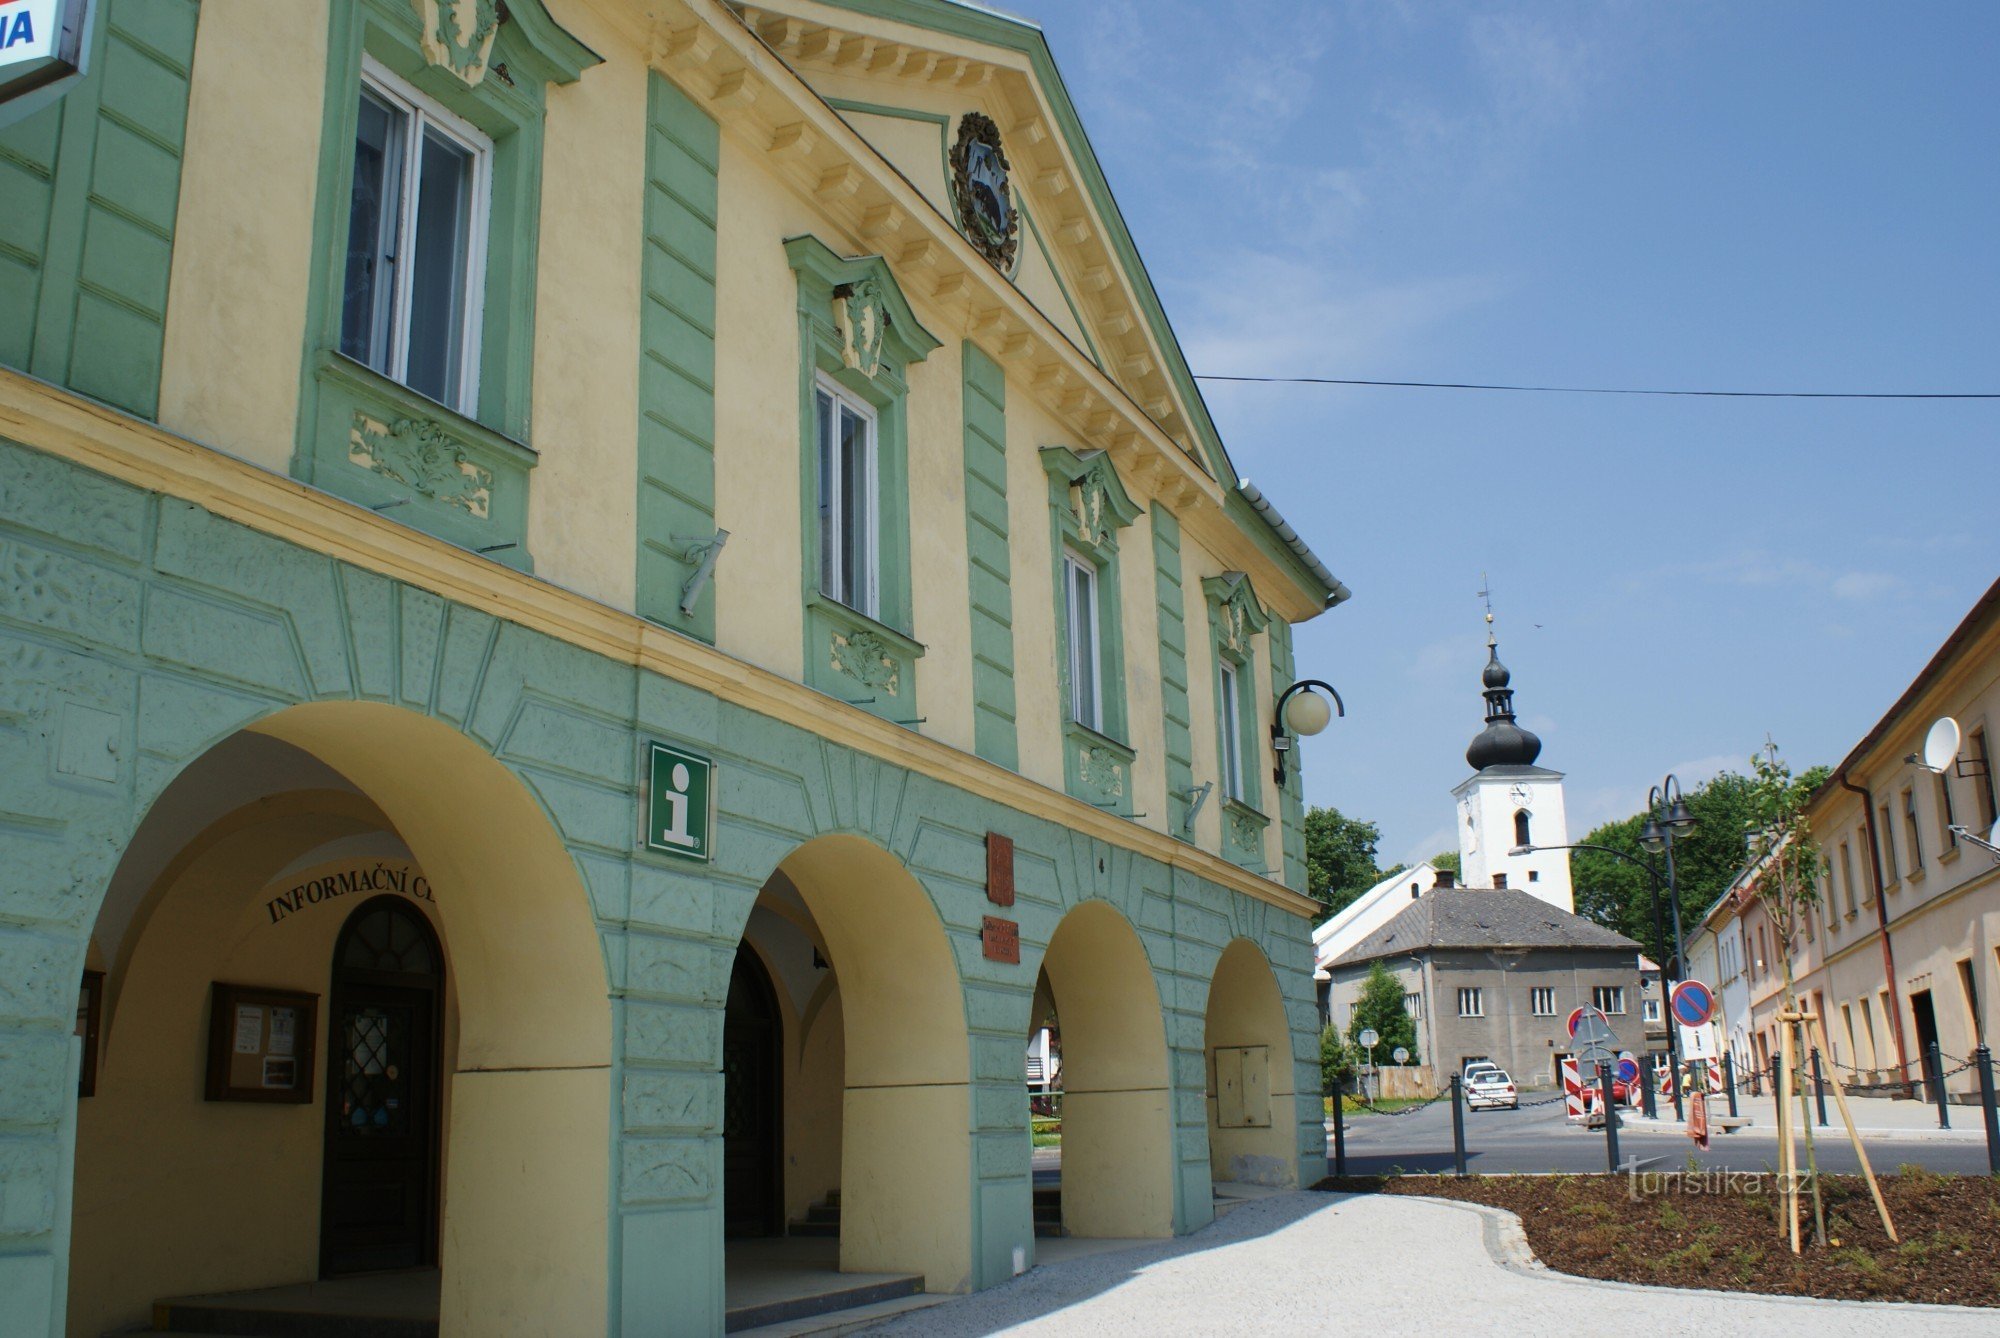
843,1321
753,1317
217,1317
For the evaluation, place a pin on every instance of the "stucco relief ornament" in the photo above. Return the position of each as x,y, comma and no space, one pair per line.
980,184
421,455
1101,771
458,34
868,660
1245,831
862,317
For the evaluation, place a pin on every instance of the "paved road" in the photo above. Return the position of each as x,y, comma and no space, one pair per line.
1538,1138
1381,1264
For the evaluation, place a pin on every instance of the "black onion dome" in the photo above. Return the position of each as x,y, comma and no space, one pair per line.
1502,743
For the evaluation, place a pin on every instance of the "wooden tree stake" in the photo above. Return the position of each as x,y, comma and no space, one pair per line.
1840,1099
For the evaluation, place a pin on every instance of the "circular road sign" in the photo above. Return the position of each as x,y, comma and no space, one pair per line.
1591,1061
1369,1040
1588,1027
1402,1054
1628,1070
1693,1003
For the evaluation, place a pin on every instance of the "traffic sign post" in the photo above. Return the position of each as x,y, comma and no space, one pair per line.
1369,1040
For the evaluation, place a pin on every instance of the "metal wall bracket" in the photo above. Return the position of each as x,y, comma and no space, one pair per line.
702,552
1196,798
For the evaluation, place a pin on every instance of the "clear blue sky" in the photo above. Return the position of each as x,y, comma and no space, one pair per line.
1768,195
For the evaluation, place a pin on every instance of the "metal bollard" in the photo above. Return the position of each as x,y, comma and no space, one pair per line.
1457,1125
1680,1112
1982,1060
1935,1081
1646,1078
1729,1080
1819,1087
1339,1130
1610,1117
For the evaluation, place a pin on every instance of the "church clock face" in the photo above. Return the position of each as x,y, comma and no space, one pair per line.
1521,794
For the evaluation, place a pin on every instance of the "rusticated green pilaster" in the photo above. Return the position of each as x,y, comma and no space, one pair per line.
993,727
89,187
1291,803
1173,668
677,360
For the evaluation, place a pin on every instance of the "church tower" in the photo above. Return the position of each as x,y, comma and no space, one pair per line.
1509,802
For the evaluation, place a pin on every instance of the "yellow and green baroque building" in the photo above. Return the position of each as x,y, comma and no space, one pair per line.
607,603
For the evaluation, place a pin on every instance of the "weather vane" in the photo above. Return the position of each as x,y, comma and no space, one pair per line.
1486,594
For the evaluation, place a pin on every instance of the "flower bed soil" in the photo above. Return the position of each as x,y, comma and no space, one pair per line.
1723,1233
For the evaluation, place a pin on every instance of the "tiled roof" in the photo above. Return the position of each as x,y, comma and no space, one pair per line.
1498,917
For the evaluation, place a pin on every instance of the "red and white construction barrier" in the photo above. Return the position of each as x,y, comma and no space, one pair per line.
1576,1098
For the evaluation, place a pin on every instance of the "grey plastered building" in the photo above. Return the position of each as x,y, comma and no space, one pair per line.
1493,973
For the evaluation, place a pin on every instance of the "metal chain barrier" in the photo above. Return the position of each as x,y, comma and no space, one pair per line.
1407,1110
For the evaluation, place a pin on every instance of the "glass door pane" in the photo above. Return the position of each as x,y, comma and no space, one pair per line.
829,489
373,218
857,561
438,277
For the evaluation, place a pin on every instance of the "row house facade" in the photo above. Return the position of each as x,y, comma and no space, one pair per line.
1903,952
609,603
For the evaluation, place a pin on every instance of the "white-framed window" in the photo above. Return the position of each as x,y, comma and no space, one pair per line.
1471,1002
1608,998
1086,668
849,526
1413,1004
1232,734
413,288
1542,1001
1649,1010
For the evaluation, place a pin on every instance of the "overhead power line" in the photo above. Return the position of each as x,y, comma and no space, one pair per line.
1619,390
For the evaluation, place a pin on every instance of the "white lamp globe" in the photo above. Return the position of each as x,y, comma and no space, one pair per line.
1307,713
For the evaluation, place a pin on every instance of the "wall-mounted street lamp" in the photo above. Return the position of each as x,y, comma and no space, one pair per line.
1300,711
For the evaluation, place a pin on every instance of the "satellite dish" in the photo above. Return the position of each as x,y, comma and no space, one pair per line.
1941,744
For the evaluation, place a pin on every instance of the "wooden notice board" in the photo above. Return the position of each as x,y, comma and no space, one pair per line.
260,1044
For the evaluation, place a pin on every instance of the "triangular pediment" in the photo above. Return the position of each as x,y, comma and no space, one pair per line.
960,100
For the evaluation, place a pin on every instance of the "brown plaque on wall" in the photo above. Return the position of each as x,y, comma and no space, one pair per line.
1000,939
999,869
260,1044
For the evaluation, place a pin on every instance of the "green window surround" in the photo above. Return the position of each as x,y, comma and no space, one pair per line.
1235,617
994,729
1088,506
1171,597
858,336
462,476
89,191
677,363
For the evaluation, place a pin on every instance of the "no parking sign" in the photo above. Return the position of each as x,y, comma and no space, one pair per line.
1693,1003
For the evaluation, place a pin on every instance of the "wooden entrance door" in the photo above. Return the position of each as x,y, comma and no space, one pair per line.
378,1198
751,1132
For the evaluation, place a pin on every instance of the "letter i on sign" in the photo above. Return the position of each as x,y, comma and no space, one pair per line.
680,807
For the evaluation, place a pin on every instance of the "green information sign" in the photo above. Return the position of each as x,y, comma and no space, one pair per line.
680,802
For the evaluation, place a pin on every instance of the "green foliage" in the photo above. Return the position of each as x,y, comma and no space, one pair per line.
1445,861
1380,1009
1340,857
1336,1061
1782,839
1707,858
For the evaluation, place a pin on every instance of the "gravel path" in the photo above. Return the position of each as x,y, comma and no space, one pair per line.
1301,1263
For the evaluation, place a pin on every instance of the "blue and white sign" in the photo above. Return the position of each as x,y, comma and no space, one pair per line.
41,43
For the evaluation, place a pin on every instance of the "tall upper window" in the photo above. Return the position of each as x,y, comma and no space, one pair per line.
410,298
849,530
1891,869
1989,810
1521,837
1086,674
1232,733
1847,876
1947,814
1911,830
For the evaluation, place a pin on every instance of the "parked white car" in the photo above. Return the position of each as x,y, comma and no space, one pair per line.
1491,1089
